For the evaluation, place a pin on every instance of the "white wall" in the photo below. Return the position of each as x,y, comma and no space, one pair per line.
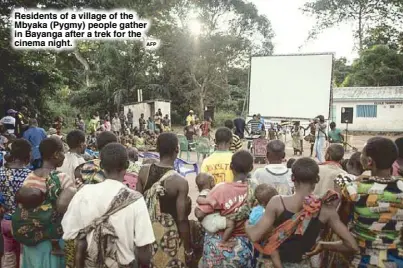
388,119
148,109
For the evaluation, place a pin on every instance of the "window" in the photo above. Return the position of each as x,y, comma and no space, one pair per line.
367,111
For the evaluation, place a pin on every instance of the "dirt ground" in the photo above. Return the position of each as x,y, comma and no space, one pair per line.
355,141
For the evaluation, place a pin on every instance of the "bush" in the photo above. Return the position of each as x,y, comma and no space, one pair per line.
221,116
63,109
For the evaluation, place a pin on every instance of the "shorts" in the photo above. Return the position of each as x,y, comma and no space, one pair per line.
214,223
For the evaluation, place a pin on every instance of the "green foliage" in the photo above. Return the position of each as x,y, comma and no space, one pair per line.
385,34
221,116
340,71
64,109
378,66
363,13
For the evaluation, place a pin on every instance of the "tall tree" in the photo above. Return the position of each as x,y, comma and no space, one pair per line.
200,61
362,13
377,66
384,34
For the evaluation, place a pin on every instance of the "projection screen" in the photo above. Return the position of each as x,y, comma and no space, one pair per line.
291,86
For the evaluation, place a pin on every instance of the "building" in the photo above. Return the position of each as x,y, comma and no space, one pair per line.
148,108
378,109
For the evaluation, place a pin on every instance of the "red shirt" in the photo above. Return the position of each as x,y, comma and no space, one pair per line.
205,128
229,197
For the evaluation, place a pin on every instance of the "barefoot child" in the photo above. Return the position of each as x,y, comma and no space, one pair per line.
213,222
263,194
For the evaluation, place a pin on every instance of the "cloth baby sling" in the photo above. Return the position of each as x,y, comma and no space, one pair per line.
102,253
32,226
168,249
298,223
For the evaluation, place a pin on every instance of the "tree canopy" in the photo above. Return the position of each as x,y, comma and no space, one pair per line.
191,69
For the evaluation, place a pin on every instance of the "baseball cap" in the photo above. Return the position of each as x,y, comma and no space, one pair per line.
11,111
191,111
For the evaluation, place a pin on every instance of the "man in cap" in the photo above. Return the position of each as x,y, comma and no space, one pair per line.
190,118
9,121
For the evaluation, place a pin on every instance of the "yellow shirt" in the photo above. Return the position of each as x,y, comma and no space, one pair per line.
218,165
189,119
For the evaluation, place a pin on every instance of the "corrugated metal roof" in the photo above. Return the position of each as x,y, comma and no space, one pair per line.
368,93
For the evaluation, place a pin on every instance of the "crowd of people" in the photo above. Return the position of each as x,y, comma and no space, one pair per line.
64,209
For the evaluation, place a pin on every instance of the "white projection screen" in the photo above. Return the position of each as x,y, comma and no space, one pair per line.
291,86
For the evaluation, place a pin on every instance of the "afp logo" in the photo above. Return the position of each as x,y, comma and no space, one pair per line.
151,44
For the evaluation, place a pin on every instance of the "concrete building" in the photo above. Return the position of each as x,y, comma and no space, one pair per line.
378,109
148,108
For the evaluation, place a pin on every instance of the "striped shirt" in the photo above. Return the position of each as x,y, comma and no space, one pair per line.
254,125
236,143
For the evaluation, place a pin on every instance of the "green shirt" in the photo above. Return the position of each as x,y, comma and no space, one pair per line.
335,135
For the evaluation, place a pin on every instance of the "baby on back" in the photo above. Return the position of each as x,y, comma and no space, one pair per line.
214,222
263,194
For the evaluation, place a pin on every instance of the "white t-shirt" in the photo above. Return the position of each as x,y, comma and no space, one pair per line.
276,175
70,163
132,224
9,122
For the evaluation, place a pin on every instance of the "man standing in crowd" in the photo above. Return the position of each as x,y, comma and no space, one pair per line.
125,213
254,126
236,143
218,164
142,123
79,122
329,170
130,119
334,134
116,124
122,119
205,127
9,121
94,124
320,135
166,122
240,125
261,120
276,173
35,135
173,204
190,118
158,121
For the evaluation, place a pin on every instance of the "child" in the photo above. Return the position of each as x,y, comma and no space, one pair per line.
213,222
263,194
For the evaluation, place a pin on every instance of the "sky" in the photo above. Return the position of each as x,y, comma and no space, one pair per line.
291,28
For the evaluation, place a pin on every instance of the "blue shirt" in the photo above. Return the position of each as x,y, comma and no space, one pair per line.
261,123
35,136
256,214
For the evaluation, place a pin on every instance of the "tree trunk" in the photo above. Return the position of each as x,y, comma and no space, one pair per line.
201,104
360,30
86,66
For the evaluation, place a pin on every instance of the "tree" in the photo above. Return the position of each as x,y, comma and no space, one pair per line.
340,71
384,34
329,13
200,63
377,66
